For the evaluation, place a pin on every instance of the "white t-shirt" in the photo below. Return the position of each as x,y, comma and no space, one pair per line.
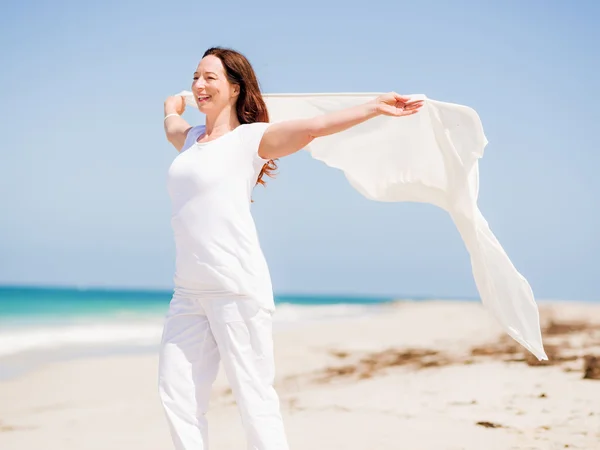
217,246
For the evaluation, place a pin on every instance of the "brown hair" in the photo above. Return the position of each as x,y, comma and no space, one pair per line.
250,106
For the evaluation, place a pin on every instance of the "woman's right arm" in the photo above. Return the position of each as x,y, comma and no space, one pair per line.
176,127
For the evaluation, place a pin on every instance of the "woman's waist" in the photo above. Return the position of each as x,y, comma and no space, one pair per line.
224,259
202,280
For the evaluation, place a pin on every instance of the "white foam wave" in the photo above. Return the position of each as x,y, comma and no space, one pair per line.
120,331
289,313
46,338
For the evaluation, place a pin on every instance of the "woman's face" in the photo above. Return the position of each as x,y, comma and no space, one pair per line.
211,89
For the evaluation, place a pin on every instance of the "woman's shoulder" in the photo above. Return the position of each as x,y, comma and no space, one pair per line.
252,129
197,130
254,124
251,136
193,134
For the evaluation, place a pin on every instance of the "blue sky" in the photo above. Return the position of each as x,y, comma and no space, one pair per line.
83,157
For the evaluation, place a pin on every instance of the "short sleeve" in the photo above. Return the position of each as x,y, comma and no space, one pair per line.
252,136
192,136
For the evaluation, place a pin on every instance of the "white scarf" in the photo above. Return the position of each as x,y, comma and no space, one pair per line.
430,157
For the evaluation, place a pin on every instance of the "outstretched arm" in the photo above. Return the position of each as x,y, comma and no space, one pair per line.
284,138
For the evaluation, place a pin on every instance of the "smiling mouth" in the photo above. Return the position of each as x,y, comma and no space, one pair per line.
203,98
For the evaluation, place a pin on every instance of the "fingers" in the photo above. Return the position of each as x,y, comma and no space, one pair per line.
397,112
406,113
183,104
412,102
409,107
399,98
397,105
413,105
400,112
409,104
403,98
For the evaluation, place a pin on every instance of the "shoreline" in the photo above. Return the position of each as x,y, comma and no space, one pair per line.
22,363
288,317
350,383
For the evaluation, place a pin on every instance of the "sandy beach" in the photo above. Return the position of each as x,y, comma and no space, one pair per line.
417,375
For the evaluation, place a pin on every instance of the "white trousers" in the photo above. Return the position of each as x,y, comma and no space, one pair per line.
197,334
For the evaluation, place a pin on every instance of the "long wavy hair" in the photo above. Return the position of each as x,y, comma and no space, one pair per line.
250,106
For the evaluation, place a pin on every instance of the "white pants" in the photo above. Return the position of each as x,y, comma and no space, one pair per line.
198,332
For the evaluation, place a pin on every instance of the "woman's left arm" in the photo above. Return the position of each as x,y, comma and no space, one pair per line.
284,138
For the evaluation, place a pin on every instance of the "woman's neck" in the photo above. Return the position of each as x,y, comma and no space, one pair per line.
222,123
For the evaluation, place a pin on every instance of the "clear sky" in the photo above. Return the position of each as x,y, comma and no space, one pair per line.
83,157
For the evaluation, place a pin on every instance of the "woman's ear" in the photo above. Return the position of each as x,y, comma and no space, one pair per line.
235,90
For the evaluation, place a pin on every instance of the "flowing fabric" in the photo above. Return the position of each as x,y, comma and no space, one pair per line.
429,157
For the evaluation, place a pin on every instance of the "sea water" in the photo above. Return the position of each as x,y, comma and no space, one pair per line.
39,325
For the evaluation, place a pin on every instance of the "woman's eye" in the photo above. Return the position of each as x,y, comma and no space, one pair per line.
194,78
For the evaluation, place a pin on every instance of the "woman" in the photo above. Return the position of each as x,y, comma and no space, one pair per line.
222,305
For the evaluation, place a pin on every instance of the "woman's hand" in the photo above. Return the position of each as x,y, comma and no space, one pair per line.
392,104
174,104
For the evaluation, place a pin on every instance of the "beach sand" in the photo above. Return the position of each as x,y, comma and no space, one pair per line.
419,375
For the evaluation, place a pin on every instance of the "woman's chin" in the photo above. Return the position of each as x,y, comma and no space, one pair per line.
203,107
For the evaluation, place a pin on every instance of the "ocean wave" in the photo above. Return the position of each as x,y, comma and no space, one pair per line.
36,335
20,340
288,313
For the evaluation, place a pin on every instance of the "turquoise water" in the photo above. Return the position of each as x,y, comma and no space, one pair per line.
39,325
34,320
18,303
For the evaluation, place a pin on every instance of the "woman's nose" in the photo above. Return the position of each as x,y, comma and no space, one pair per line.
199,83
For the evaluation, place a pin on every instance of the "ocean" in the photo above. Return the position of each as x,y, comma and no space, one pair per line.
40,325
